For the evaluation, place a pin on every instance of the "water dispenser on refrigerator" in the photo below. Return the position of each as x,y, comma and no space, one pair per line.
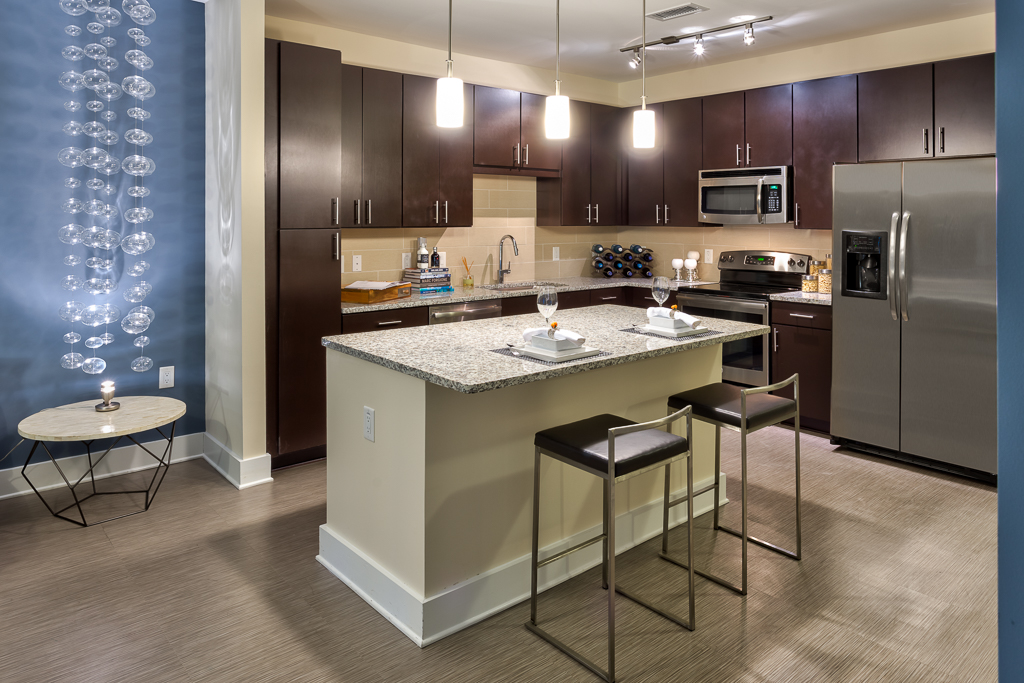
865,262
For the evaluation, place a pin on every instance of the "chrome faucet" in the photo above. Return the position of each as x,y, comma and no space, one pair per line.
501,258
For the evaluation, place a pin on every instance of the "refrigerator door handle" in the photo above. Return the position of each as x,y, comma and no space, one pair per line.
893,289
903,266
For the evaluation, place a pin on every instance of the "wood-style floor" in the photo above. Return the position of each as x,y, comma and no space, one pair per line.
213,584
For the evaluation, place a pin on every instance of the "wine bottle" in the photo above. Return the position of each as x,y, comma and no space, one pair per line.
627,257
597,249
646,257
627,272
617,248
608,272
637,249
644,271
608,256
618,265
599,264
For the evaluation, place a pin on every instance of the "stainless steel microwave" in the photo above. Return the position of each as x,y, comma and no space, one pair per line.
745,196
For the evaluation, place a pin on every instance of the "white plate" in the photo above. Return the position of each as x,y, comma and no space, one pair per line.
676,334
544,354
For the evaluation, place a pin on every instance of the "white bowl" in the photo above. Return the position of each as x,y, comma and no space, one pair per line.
542,341
668,323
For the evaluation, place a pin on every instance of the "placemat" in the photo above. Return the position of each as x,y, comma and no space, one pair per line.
645,333
508,352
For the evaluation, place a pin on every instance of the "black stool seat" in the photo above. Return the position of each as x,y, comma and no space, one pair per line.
586,442
721,402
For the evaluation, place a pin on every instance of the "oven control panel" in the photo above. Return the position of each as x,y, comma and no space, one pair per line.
759,260
764,261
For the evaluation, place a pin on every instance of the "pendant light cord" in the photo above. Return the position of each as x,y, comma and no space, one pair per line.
450,70
643,56
558,51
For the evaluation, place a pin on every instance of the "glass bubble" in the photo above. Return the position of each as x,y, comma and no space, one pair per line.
143,15
94,157
71,282
71,311
138,268
100,314
138,165
94,366
138,191
72,338
109,189
70,234
138,87
135,32
94,183
99,263
107,338
101,238
110,211
127,5
94,105
97,5
146,286
99,285
107,63
108,42
73,53
72,206
71,80
135,294
138,243
108,138
137,136
93,343
143,41
72,260
108,91
71,361
146,311
72,106
142,363
95,51
137,58
135,323
111,166
70,157
72,183
75,8
95,27
139,214
72,128
138,113
73,31
108,16
141,342
95,77
108,116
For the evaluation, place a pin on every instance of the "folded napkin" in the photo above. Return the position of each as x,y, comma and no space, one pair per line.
656,312
554,334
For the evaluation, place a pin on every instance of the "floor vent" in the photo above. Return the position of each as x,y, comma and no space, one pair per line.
676,12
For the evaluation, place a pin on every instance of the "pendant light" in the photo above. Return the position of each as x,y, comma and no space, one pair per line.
643,120
450,105
556,111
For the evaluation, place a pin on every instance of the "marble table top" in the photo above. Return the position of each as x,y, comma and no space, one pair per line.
81,422
459,355
804,298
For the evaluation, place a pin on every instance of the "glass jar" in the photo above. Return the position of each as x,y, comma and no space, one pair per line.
825,281
467,282
828,261
809,283
815,267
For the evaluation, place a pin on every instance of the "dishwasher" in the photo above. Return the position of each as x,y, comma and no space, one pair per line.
471,310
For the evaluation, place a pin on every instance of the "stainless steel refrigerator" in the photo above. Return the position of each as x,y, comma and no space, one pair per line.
914,311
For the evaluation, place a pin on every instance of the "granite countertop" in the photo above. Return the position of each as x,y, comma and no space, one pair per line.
460,295
459,356
804,298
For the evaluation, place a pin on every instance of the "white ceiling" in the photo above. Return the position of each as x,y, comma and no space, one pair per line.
523,31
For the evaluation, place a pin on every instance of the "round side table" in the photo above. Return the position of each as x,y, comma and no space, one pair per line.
81,422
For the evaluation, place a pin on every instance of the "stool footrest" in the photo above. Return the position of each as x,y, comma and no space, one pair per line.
710,577
677,501
530,626
657,610
764,544
578,546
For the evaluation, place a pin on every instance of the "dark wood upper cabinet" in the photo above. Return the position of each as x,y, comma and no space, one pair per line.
768,126
723,136
824,133
683,159
577,176
606,134
965,115
646,175
895,113
456,186
496,126
309,122
538,151
351,209
382,148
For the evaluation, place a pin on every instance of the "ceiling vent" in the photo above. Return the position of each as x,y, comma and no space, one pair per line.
676,12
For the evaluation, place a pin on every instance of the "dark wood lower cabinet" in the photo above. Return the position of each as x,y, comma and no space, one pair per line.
615,296
807,351
384,320
641,297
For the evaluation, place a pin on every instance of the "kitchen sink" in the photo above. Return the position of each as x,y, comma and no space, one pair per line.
521,286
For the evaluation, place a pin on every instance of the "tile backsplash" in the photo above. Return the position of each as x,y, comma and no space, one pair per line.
508,205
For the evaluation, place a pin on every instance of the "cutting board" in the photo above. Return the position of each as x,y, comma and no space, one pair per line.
375,296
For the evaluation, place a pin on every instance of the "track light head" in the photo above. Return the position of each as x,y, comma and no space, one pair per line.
634,61
698,45
748,35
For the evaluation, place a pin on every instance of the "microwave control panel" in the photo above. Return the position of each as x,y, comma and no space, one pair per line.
772,198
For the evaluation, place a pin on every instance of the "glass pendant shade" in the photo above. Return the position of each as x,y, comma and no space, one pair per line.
556,117
450,105
643,128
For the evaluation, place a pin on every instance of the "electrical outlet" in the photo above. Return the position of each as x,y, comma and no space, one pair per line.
167,377
444,258
357,263
368,423
555,253
709,256
407,260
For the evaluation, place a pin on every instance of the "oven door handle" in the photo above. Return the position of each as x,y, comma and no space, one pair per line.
724,303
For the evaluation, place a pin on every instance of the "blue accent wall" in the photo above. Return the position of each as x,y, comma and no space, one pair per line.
1010,151
31,191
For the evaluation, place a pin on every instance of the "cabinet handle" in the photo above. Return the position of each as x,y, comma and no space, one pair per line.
801,315
666,214
597,213
369,211
775,339
588,213
796,215
738,162
609,298
748,154
446,212
942,140
334,210
924,137
657,214
437,211
515,155
390,322
526,155
357,215
336,242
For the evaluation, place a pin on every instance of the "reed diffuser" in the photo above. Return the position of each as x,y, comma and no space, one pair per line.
467,279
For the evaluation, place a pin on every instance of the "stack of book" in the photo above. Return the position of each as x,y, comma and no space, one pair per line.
429,281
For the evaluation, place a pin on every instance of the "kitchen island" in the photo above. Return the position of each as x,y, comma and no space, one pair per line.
429,514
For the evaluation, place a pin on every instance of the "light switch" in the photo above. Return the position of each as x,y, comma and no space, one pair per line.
444,258
357,263
555,253
407,260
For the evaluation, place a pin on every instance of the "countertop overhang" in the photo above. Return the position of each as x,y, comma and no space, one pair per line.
460,356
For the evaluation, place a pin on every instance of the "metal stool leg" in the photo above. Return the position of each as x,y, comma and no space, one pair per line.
718,469
536,535
609,521
796,433
604,531
743,499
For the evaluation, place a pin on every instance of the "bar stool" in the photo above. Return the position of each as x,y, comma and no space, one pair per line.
744,411
614,449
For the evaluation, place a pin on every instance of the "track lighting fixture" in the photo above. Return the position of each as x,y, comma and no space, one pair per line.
748,34
746,22
634,61
698,45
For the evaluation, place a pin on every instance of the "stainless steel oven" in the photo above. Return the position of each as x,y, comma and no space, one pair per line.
745,196
744,361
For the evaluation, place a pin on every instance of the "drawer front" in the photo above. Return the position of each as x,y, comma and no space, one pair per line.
519,305
802,315
600,297
383,320
641,297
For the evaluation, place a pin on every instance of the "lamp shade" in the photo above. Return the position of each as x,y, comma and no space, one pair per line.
643,128
556,117
450,105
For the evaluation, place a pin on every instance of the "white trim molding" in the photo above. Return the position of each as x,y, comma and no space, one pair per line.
426,620
241,472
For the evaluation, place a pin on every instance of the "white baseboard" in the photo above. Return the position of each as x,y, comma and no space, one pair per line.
427,620
121,460
242,473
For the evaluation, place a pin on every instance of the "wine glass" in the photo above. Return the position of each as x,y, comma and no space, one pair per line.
547,303
659,289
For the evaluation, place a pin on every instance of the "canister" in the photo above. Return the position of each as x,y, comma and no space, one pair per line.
825,280
809,284
815,267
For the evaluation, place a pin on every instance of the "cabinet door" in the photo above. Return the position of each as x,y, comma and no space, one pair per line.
895,112
646,192
606,128
420,152
538,151
768,126
351,209
456,186
824,133
577,206
614,296
495,126
310,305
310,135
965,101
808,352
382,148
723,130
683,160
